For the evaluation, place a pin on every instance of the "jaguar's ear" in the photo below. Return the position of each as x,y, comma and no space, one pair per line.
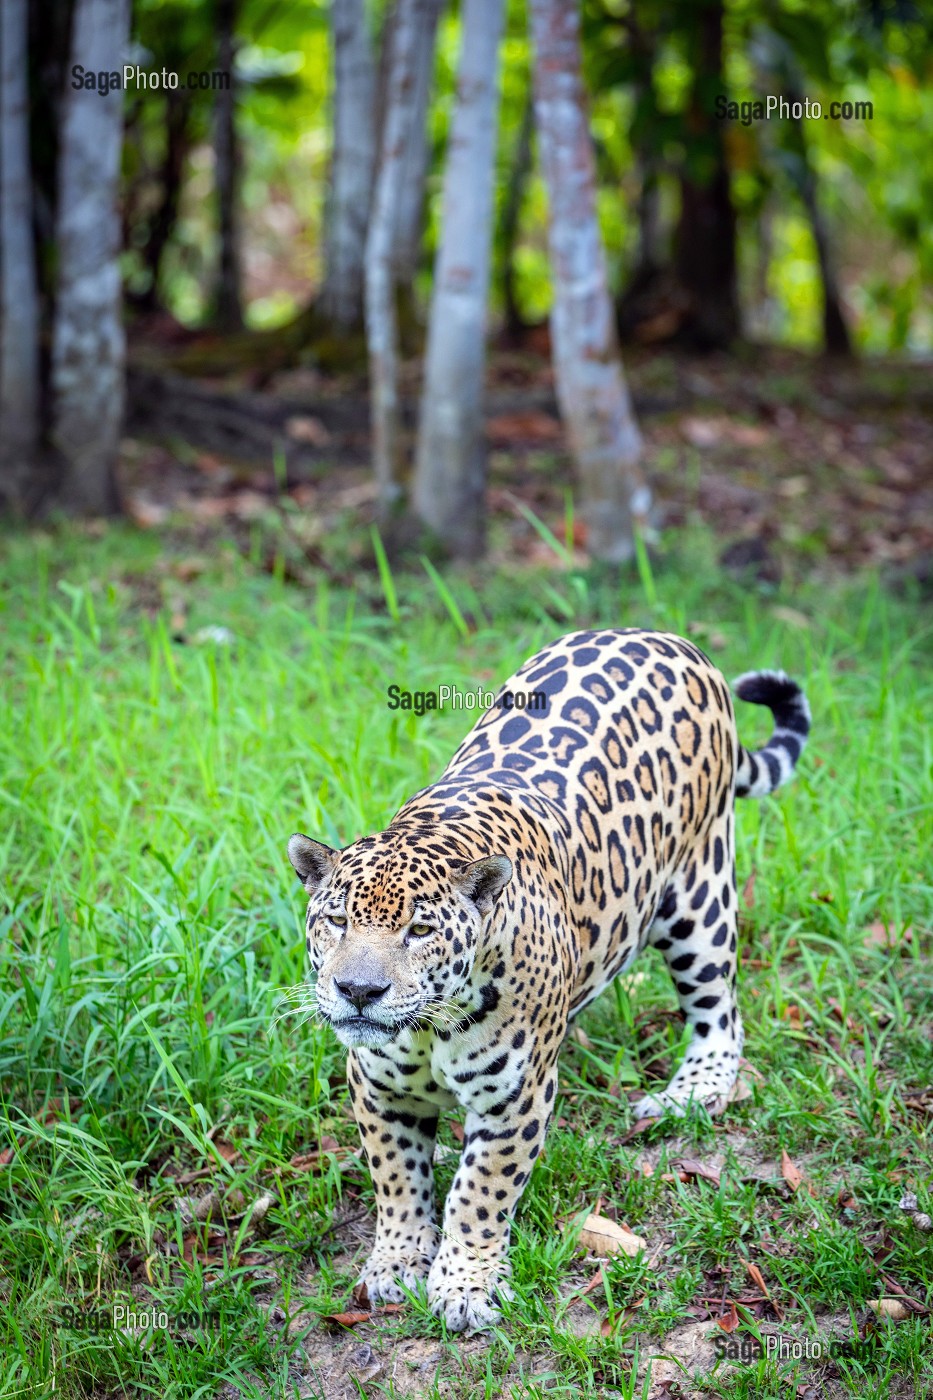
312,860
484,880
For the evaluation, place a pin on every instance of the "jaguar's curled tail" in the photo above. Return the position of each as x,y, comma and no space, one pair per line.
763,770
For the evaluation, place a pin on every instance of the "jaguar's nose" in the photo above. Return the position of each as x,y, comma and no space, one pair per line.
361,993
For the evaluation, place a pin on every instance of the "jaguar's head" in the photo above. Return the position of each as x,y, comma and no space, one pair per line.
393,926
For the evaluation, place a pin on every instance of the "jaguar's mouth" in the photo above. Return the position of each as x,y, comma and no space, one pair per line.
362,1030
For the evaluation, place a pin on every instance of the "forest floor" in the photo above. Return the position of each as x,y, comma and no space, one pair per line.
178,698
789,460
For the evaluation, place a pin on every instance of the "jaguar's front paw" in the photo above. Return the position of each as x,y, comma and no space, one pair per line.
467,1300
401,1262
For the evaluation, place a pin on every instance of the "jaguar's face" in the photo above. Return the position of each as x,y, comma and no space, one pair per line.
392,933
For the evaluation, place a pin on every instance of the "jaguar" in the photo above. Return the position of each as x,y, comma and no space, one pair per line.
450,951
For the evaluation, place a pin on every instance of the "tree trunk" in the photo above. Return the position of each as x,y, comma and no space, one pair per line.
408,227
511,216
351,165
835,332
450,475
228,301
705,255
19,301
381,319
603,436
88,346
162,224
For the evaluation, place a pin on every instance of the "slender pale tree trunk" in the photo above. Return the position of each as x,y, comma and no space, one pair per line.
450,474
522,161
19,301
594,402
381,319
88,349
228,300
351,165
409,218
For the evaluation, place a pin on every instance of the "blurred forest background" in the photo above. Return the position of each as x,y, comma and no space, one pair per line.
385,262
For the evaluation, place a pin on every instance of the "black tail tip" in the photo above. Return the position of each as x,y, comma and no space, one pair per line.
771,688
783,697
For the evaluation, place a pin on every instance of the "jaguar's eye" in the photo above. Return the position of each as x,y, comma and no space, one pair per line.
338,920
420,930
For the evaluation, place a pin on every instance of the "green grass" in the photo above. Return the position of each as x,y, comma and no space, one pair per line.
149,923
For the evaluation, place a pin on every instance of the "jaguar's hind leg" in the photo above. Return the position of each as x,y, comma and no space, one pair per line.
695,928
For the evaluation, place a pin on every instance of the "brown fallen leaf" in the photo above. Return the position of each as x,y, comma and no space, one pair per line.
598,1278
603,1237
347,1319
203,1250
903,1296
728,1321
353,1319
792,1173
891,1308
757,1278
319,1159
637,1127
691,1167
186,1178
458,1131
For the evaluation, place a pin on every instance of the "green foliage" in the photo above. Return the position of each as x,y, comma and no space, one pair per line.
150,924
641,63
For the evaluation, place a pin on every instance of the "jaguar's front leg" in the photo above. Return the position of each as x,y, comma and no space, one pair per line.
468,1277
398,1137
